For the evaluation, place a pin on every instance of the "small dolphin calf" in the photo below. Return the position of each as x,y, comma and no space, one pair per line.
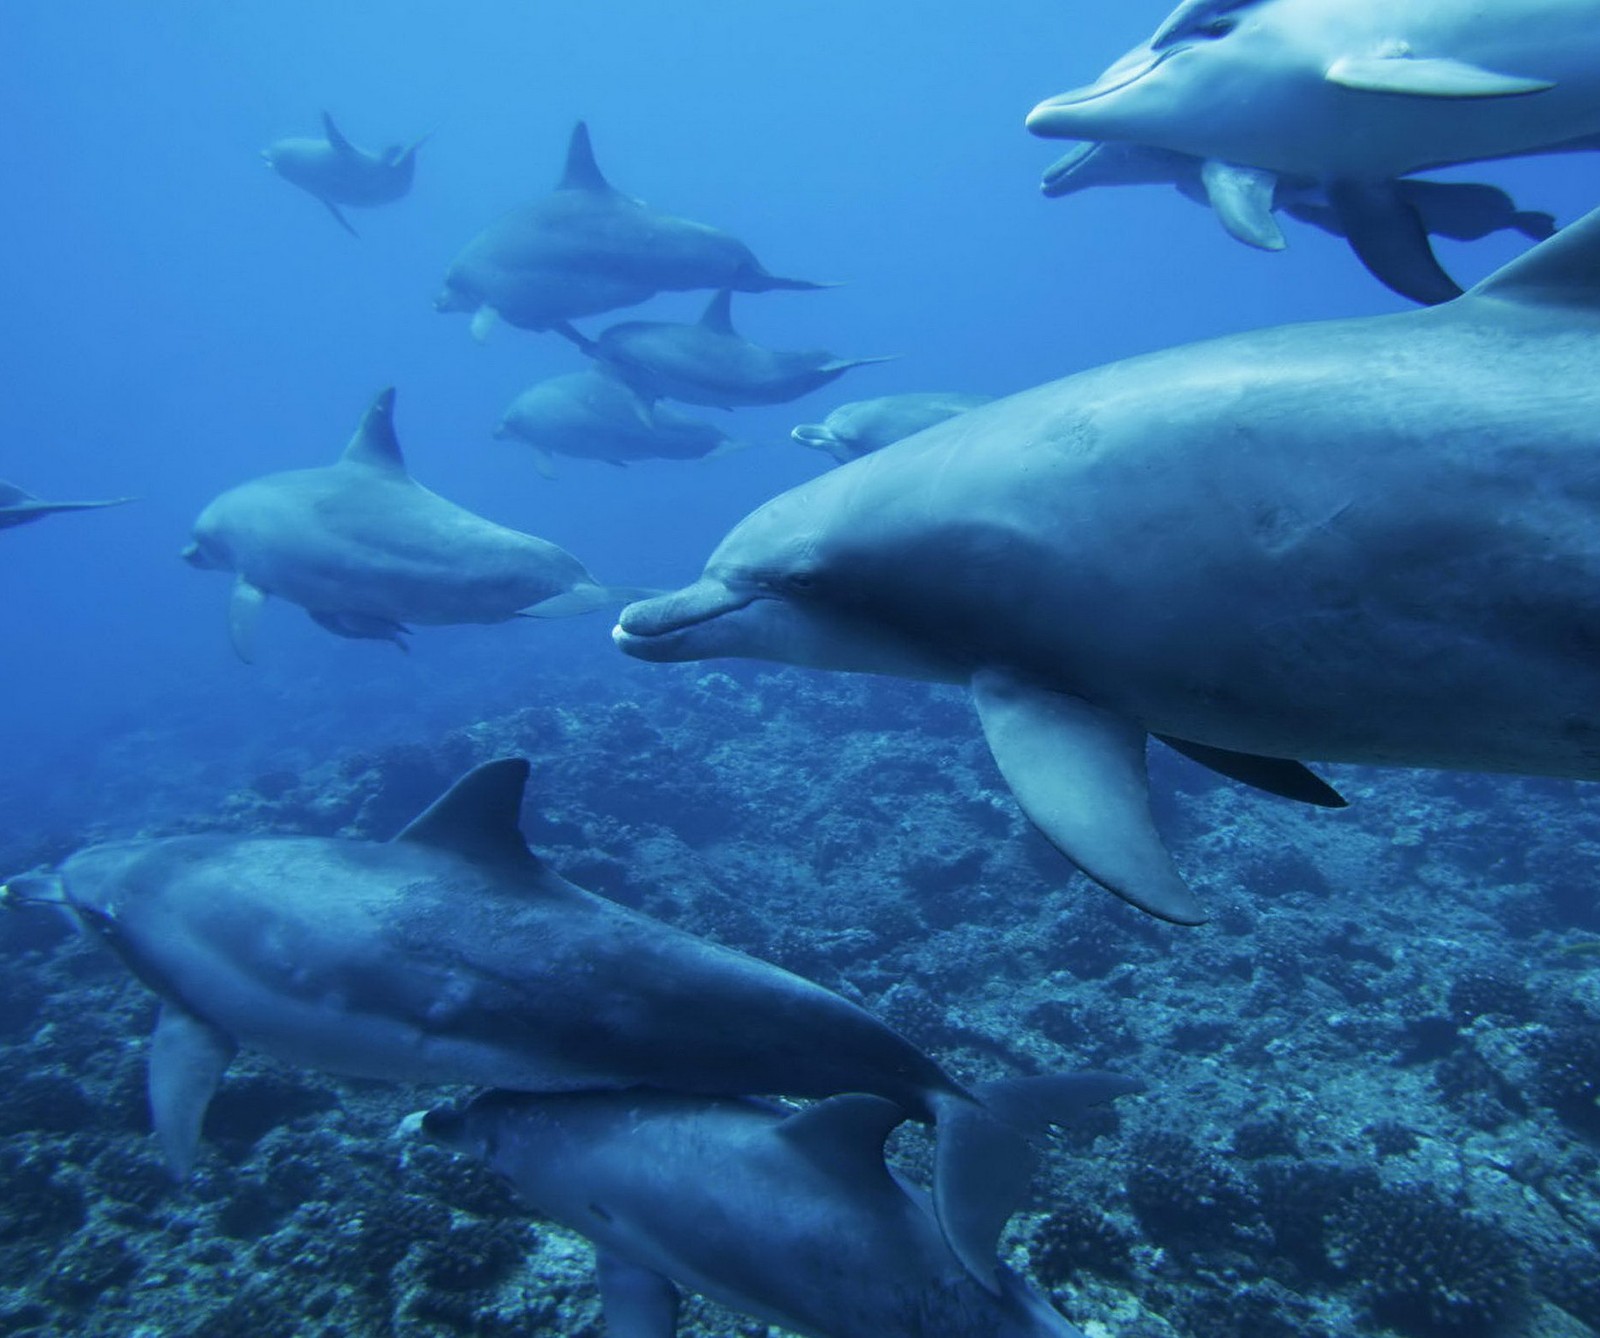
366,550
1365,541
588,248
710,363
18,507
452,954
338,173
790,1217
854,430
1352,95
595,415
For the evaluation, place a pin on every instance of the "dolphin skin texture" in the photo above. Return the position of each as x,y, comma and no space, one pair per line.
595,415
857,429
337,173
367,551
1366,541
587,248
452,954
18,507
790,1217
710,363
1351,95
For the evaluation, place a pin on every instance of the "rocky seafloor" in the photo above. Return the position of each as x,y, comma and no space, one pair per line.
1374,1076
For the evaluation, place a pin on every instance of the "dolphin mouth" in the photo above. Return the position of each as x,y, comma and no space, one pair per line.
1058,177
1054,116
658,629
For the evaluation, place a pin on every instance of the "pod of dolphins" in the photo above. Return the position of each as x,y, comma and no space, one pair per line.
1364,540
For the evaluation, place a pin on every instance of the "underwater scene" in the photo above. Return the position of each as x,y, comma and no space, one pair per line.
853,668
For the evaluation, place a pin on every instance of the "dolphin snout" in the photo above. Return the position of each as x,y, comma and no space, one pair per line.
1072,115
33,889
653,629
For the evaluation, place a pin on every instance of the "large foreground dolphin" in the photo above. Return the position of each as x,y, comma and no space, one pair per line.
338,173
1365,541
711,363
791,1217
452,954
595,415
1351,94
366,550
864,426
19,507
588,248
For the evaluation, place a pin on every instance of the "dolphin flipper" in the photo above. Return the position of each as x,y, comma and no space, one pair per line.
1388,236
187,1060
636,1302
244,612
1274,775
338,217
1242,198
1079,773
1432,77
483,321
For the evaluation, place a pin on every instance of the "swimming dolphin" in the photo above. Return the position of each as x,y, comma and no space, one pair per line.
366,550
857,429
18,507
336,172
709,362
588,248
1352,94
1461,210
452,954
595,415
1364,541
791,1217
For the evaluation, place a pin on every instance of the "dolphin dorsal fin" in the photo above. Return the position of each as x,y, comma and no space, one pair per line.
844,1135
478,816
335,135
1562,272
10,494
582,172
375,444
718,314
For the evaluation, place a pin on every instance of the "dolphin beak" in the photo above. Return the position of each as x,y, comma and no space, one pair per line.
33,889
1064,116
661,629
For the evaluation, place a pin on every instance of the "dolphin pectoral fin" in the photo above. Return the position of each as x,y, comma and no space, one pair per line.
1388,236
544,464
339,218
1079,773
187,1060
483,321
1534,224
1432,77
1242,198
244,613
637,1302
1274,775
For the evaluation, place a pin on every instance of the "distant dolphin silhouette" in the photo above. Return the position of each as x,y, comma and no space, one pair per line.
790,1216
453,954
366,550
1364,541
711,363
18,507
588,248
338,173
1352,95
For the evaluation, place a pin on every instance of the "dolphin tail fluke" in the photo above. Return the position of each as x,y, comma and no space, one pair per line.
1046,1319
339,218
637,1302
187,1060
1389,237
587,599
1078,771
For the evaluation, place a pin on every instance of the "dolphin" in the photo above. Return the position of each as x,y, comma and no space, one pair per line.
595,415
19,507
1368,540
709,362
1460,210
1353,95
338,173
792,1217
588,248
366,550
452,954
854,430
